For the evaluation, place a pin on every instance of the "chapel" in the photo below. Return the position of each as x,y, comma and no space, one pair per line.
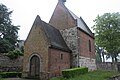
65,42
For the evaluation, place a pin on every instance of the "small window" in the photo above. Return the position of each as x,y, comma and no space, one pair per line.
61,56
89,45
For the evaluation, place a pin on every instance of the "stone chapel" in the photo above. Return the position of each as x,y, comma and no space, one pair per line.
65,42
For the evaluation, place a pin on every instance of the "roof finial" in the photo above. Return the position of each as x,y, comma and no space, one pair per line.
62,0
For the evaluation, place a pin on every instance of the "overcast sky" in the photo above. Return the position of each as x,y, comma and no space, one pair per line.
25,11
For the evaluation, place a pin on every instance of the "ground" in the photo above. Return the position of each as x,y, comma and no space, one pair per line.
17,79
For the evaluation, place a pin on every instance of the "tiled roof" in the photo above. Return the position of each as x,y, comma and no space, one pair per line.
55,37
81,24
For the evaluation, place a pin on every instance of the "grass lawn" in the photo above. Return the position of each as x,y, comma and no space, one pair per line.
94,75
1,79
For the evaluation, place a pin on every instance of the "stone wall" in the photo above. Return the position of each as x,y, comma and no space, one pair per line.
36,44
86,49
8,65
117,77
87,62
71,38
77,41
58,61
109,66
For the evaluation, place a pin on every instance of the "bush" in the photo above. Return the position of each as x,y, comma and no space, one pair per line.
14,54
68,73
10,74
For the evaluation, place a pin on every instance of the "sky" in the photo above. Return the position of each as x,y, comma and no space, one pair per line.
25,11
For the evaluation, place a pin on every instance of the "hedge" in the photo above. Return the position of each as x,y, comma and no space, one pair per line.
10,74
68,73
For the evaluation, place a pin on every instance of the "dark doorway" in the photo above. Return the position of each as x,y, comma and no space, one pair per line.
34,66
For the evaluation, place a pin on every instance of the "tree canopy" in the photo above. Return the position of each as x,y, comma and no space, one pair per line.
8,32
107,33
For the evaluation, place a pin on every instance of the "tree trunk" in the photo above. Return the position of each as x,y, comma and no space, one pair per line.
100,57
112,59
115,58
103,57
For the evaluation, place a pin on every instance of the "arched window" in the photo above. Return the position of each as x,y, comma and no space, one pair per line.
89,45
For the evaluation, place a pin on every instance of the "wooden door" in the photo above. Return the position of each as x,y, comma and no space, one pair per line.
34,67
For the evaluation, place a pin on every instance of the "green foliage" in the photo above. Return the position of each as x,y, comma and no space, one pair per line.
10,74
1,78
5,45
94,75
8,32
14,54
68,73
107,33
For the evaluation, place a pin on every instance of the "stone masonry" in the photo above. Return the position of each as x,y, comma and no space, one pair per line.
87,62
7,64
71,38
79,59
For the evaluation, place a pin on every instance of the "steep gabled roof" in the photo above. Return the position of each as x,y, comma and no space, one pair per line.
55,38
79,21
53,35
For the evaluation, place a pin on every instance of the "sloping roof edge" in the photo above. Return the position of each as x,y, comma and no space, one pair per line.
91,34
80,21
36,19
61,3
56,39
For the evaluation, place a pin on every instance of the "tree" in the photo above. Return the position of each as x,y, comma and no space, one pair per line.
8,32
107,33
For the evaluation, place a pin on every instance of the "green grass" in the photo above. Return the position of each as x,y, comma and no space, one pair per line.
1,78
94,75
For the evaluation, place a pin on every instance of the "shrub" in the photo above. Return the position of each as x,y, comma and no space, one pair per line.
14,54
10,74
68,73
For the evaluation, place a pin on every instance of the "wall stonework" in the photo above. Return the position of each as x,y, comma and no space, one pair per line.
36,44
78,42
58,61
117,77
71,38
109,66
7,64
84,45
87,62
87,56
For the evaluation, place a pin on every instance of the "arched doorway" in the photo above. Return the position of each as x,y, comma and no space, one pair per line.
34,67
